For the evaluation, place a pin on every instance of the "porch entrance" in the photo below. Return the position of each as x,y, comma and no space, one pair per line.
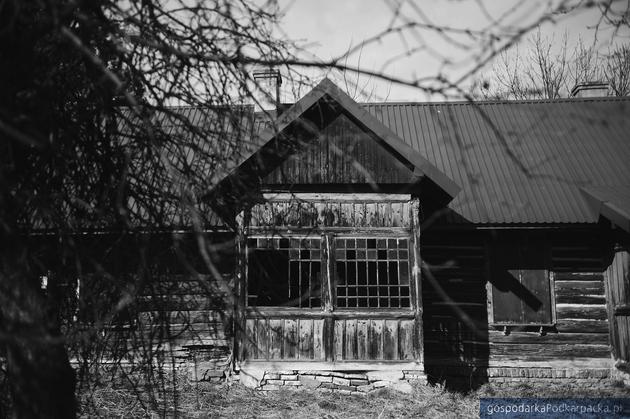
332,282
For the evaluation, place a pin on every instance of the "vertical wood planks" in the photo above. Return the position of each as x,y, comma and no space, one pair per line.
276,334
338,340
390,339
250,346
350,342
618,295
305,338
405,340
318,340
362,339
375,339
290,339
262,339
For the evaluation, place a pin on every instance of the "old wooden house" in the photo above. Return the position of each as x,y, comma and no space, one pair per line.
459,242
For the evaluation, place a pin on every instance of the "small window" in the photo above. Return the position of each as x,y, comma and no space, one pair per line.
520,284
284,271
372,272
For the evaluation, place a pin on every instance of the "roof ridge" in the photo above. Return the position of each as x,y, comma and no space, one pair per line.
504,101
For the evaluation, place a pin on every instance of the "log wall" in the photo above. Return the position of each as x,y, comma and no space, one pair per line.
617,277
461,344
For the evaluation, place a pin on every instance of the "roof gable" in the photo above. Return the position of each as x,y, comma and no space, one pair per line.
304,122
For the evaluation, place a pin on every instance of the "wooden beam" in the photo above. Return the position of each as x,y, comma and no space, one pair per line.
322,197
334,366
416,280
240,287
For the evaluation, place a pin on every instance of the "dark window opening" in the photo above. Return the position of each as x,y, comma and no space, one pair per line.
372,273
284,272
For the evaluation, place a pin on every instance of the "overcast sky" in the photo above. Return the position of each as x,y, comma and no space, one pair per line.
328,28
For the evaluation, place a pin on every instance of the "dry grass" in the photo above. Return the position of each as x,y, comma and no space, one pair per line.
201,400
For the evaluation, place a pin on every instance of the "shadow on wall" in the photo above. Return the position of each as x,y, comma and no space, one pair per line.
455,315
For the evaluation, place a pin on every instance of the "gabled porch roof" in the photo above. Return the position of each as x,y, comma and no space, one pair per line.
313,113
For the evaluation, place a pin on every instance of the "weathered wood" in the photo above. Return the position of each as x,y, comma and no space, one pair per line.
328,334
581,325
581,311
579,287
250,350
300,213
416,282
186,317
527,352
371,365
342,153
618,292
290,312
240,287
350,339
262,338
362,339
305,342
328,290
579,276
375,339
390,339
318,340
290,339
339,336
406,340
581,299
276,338
353,198
496,336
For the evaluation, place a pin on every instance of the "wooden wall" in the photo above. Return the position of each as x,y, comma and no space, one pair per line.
458,338
341,154
356,337
618,294
360,212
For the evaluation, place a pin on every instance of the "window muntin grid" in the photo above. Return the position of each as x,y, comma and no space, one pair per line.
284,271
372,272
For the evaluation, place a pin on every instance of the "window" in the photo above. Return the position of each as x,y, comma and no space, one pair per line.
520,284
368,272
284,272
372,272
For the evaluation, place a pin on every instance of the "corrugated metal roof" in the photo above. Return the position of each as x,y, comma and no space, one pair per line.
516,161
520,161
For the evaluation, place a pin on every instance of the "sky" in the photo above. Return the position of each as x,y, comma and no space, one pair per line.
326,29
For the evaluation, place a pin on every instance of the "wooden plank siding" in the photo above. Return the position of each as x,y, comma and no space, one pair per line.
457,331
354,339
341,154
618,294
295,212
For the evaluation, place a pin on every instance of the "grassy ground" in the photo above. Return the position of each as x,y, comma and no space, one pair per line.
203,400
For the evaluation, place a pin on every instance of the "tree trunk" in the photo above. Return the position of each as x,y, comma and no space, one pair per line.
40,380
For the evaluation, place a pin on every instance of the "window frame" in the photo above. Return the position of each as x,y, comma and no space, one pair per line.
328,267
552,303
517,244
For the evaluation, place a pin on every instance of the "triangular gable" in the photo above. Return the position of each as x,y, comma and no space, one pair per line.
307,118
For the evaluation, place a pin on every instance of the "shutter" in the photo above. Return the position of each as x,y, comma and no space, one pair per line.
521,288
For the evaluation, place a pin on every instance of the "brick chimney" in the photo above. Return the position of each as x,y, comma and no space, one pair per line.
267,88
591,89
